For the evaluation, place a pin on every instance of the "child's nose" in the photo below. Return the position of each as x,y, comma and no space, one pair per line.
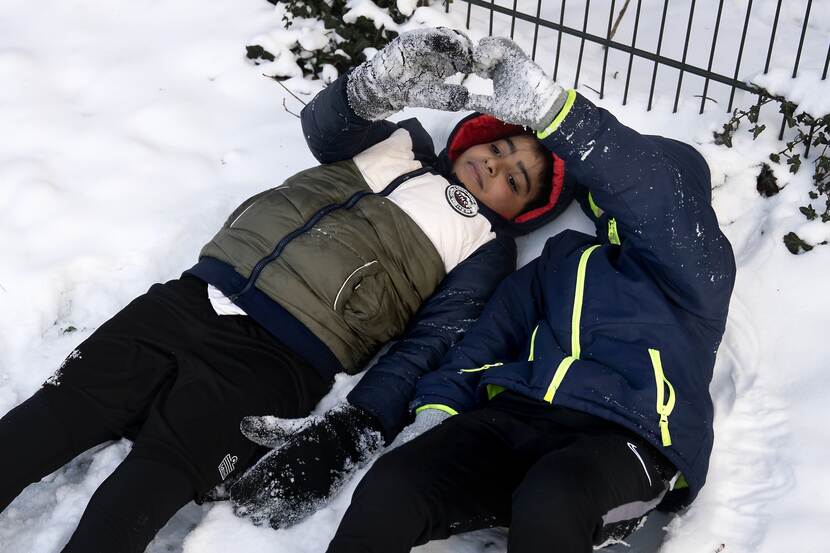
490,164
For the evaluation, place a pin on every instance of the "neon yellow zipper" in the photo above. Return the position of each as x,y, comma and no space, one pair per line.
579,292
664,409
481,368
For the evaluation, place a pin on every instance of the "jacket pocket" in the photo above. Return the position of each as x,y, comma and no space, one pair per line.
665,395
369,304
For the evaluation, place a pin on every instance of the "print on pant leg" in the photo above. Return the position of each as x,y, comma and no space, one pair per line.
633,448
55,379
227,465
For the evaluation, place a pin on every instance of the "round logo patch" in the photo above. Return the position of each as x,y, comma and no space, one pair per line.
461,200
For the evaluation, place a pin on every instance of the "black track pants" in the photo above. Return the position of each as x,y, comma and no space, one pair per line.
174,377
561,480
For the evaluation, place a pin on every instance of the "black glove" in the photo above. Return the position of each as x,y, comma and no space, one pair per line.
410,71
313,458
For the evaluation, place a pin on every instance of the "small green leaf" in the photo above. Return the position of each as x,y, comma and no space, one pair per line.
757,130
256,51
766,183
795,163
794,244
775,158
808,212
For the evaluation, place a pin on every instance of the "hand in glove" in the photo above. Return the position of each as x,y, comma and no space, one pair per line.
522,93
424,420
410,71
312,460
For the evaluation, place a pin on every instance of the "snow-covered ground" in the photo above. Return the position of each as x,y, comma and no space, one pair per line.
131,129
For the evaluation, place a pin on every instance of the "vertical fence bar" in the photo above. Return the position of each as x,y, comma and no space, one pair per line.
685,51
740,55
607,47
469,8
711,56
772,36
559,41
797,59
659,46
801,40
513,19
582,44
446,6
536,30
631,55
826,64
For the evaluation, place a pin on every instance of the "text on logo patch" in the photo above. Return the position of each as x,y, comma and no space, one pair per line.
461,200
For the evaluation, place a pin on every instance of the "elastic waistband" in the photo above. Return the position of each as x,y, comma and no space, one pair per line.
270,314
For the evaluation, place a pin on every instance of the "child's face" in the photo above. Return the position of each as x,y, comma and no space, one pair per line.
504,175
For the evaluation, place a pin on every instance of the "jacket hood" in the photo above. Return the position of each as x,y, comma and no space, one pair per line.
478,128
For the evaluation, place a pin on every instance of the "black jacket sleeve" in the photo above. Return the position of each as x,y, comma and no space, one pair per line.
389,386
333,131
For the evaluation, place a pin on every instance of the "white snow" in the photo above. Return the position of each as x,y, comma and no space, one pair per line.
808,91
130,130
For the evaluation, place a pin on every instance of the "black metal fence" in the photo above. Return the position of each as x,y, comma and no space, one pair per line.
698,22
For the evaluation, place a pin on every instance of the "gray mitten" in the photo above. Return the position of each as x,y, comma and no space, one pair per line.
424,420
410,71
522,93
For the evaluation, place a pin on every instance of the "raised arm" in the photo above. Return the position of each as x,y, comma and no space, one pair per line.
658,193
333,131
347,117
656,190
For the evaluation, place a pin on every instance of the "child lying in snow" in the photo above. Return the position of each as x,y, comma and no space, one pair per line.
581,394
302,281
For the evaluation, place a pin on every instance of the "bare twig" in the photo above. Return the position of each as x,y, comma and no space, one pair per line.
285,87
617,22
288,110
591,88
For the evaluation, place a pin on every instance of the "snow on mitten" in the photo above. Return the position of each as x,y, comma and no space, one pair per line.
410,71
522,93
313,458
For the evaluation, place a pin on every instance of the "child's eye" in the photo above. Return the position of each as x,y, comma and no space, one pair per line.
495,149
512,182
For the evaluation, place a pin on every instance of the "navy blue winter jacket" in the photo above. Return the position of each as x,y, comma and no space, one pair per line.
624,325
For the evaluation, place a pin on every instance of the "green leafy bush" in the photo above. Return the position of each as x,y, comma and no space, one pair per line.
346,40
811,134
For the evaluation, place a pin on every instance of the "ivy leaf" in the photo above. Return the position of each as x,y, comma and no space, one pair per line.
795,244
795,163
256,52
753,112
723,138
813,195
766,183
775,158
756,130
808,212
